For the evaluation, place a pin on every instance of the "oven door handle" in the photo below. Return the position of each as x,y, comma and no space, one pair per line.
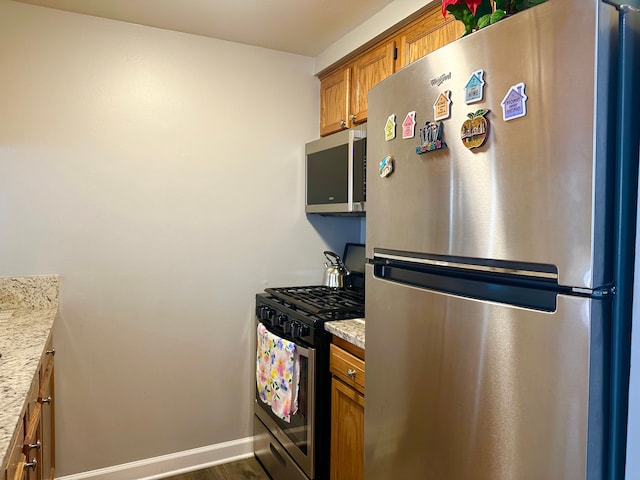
310,355
306,352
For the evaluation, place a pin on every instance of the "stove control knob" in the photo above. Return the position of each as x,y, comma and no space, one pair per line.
266,313
296,329
282,319
304,330
287,326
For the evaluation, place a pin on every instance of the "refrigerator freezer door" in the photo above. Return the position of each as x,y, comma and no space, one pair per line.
461,389
537,190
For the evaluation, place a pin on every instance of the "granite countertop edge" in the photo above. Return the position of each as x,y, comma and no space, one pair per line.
351,331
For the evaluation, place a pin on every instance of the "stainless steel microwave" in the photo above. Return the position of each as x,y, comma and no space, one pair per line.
336,180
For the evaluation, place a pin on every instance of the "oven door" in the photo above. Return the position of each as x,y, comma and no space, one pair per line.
296,436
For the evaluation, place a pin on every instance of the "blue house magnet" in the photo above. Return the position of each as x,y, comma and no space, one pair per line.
474,89
514,103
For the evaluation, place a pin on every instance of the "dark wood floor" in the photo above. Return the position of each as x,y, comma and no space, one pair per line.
248,469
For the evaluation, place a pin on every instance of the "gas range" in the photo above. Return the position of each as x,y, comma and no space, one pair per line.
299,313
299,449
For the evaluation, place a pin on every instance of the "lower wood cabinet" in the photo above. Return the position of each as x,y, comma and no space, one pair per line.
32,451
347,413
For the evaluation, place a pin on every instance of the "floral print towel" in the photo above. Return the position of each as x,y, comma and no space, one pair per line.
277,373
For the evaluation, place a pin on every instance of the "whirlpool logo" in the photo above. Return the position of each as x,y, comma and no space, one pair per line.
436,82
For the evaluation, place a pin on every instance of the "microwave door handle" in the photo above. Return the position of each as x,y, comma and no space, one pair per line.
352,136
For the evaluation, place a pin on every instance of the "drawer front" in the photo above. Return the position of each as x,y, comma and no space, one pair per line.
347,367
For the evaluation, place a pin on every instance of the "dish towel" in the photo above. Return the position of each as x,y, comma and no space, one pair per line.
277,373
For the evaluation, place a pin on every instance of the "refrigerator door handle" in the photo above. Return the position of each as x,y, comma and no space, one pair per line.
386,258
537,293
520,269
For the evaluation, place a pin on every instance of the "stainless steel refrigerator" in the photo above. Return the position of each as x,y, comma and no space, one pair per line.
500,251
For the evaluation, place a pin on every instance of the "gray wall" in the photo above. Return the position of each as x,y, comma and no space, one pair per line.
161,175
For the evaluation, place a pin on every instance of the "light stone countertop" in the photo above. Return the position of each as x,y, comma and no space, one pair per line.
28,307
350,330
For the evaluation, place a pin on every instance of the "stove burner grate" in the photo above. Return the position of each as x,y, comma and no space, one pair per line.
322,300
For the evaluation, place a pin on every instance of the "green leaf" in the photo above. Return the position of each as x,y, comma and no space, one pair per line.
485,8
484,20
497,16
462,13
481,113
501,4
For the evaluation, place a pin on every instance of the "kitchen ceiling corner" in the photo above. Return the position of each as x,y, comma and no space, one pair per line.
304,27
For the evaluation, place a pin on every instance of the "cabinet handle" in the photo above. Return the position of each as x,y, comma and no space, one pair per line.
351,373
353,118
343,123
36,445
46,400
51,352
32,464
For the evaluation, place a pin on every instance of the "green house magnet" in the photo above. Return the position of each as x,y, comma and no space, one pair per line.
390,128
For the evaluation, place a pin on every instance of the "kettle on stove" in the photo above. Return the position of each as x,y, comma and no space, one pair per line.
336,274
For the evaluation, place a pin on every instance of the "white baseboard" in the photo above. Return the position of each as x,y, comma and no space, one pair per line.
172,464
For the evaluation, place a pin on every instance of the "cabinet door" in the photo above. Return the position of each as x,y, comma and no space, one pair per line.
334,101
32,447
368,70
16,459
347,432
427,34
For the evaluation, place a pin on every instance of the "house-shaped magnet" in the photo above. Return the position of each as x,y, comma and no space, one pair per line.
442,106
390,128
474,89
409,125
514,103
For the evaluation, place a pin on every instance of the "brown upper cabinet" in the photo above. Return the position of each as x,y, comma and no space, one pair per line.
426,34
369,69
334,101
344,89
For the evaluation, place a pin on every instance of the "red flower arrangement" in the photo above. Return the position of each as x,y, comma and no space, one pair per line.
476,14
471,4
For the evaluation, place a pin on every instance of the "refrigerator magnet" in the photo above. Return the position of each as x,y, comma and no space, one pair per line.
514,103
431,138
474,130
409,125
390,128
442,106
474,89
386,166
